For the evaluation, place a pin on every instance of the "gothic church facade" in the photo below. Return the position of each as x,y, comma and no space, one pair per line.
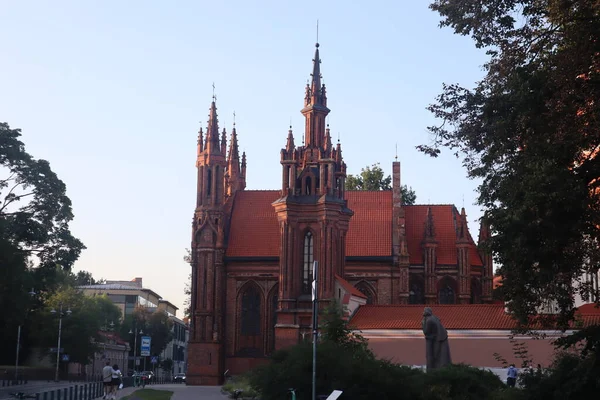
252,250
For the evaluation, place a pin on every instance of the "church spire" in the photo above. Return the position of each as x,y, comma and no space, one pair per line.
429,225
315,106
200,141
462,227
224,142
290,146
212,133
233,159
315,86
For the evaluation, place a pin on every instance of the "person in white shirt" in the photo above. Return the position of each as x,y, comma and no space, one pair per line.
116,381
107,372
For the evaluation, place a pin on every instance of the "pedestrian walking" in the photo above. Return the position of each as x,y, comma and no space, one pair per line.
107,379
511,379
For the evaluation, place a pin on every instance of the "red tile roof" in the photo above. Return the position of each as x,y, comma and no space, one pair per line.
254,230
349,288
468,317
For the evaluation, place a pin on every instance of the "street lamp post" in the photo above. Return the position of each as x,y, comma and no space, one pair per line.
136,333
60,315
32,293
105,328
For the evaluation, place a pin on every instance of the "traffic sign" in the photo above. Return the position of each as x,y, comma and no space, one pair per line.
65,357
154,359
145,346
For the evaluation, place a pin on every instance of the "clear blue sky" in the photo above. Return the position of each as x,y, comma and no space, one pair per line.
112,93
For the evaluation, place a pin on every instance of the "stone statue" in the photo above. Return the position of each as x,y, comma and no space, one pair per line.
437,350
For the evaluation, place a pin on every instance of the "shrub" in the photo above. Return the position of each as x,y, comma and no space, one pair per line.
359,376
461,382
240,383
570,377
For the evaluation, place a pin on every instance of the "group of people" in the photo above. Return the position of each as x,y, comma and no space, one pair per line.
111,377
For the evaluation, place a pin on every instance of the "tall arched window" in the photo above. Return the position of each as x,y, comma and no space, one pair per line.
308,257
209,182
367,290
416,287
475,291
250,331
250,312
446,294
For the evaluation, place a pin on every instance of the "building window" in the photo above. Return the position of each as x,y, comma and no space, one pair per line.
250,312
416,293
366,289
308,263
475,291
446,294
209,182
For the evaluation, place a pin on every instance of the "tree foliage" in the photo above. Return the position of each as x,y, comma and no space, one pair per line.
530,131
373,178
187,290
154,323
35,241
80,329
34,209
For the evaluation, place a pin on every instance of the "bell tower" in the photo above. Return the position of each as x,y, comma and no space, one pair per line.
312,213
205,350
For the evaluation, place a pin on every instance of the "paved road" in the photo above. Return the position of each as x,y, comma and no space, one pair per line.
33,387
180,392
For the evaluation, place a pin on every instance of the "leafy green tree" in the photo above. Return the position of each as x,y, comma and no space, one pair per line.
167,365
85,278
373,178
154,323
15,284
335,329
187,290
80,329
34,238
34,209
530,131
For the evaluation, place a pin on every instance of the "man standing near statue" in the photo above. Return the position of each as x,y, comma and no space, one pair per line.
437,350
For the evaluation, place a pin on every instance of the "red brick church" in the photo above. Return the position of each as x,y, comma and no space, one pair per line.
253,249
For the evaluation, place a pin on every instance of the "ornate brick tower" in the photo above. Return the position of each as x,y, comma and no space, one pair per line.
205,351
312,213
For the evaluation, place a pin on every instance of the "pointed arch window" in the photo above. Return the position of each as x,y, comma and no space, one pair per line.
366,289
250,315
416,294
308,258
475,291
446,294
209,181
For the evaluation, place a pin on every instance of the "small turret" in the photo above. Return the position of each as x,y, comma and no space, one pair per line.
224,142
290,146
429,226
200,141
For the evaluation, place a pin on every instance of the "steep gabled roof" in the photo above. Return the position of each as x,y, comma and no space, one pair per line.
254,230
349,288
